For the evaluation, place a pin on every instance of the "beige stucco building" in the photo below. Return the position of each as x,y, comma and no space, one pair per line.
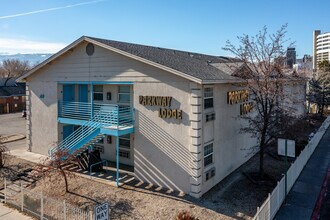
164,112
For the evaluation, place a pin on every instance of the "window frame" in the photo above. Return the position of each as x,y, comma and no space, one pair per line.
126,139
208,97
121,151
208,155
124,93
98,93
210,116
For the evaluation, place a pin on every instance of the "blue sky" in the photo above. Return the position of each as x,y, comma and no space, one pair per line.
203,26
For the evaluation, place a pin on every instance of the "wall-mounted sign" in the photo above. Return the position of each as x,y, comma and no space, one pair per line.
163,101
240,96
246,108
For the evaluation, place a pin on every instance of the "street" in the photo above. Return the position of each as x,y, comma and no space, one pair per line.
13,124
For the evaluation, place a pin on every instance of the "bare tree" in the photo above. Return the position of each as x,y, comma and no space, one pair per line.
57,164
13,67
267,82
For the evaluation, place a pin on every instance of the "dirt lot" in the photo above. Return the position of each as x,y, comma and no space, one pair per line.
234,198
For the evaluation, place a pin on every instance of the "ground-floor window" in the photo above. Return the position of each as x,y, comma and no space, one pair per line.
125,141
209,116
208,154
124,153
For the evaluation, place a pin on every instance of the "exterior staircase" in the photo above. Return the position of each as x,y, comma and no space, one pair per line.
88,134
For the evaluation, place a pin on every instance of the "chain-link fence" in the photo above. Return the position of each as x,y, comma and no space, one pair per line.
40,206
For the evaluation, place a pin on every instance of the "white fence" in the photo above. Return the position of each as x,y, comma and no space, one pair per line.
40,206
275,199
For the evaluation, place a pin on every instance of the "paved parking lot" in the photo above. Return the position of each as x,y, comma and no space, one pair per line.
13,124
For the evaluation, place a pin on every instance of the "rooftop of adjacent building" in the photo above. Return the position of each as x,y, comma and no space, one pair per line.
9,87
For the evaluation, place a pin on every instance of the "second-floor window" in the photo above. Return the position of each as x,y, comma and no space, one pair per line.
208,154
125,141
98,92
124,94
208,97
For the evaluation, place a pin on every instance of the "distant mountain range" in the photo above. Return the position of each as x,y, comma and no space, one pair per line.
33,58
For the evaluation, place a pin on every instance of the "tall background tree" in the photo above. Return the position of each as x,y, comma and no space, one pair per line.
13,68
266,80
319,87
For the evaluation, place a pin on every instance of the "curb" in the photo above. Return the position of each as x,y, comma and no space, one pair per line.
12,138
321,197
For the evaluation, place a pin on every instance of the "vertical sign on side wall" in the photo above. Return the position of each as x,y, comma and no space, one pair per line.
102,211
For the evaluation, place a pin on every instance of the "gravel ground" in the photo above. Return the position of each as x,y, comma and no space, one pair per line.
236,197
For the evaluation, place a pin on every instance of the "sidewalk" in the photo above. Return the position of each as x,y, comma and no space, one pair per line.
303,196
7,213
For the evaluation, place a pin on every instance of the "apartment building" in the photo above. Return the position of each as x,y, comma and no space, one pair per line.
173,116
321,47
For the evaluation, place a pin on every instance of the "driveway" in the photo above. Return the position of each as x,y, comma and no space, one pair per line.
13,124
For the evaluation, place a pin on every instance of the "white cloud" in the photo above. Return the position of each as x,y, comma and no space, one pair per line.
13,46
49,9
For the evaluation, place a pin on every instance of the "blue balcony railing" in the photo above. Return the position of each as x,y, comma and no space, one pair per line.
109,115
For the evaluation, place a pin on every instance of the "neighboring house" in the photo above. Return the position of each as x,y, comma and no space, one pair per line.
12,95
172,115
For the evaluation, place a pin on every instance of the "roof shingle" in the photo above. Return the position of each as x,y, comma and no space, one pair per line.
193,64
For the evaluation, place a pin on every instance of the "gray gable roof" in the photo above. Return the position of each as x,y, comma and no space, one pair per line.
193,64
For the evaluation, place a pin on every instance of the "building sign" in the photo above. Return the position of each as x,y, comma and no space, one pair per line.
102,211
164,102
246,108
240,96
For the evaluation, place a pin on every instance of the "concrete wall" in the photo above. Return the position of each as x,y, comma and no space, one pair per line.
295,98
161,146
231,147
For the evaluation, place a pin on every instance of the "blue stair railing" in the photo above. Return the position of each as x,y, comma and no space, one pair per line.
107,115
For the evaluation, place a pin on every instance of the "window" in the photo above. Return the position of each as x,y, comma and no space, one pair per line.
208,97
125,141
124,153
210,117
209,174
208,154
99,148
98,92
124,94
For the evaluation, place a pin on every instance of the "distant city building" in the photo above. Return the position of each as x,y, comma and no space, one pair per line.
307,58
303,66
321,47
290,57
